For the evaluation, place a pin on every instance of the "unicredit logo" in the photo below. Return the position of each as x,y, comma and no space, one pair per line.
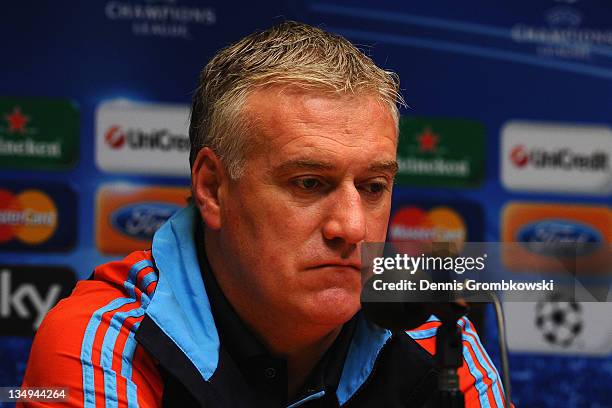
564,159
519,156
114,137
139,139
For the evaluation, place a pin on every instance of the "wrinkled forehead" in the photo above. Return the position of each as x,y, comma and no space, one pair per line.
347,131
277,113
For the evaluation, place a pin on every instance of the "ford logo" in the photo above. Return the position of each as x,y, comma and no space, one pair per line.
559,238
141,220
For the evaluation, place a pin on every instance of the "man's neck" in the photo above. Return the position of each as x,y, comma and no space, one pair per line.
300,344
301,364
301,358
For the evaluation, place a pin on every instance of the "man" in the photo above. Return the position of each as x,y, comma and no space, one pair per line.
250,296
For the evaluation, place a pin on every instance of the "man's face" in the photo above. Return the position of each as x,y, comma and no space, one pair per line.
316,185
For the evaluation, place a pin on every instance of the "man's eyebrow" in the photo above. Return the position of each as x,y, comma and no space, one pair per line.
389,166
305,164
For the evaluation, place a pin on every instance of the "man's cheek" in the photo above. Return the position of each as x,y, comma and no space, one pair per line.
377,231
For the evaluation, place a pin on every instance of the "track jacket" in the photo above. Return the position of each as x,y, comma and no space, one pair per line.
140,333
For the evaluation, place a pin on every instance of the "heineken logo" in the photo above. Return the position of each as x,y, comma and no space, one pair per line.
27,145
428,141
37,134
440,152
437,167
16,121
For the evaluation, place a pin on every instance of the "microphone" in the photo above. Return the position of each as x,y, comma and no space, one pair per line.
410,315
400,313
397,312
400,310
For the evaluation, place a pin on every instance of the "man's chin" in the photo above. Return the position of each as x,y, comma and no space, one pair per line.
333,307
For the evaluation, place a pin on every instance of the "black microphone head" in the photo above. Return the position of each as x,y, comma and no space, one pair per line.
391,309
396,315
402,310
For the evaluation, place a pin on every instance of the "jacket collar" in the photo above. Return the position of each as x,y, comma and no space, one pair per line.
181,309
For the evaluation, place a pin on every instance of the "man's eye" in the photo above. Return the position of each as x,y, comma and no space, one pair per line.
374,189
308,183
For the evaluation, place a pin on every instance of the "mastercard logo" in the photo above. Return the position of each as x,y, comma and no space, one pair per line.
438,224
30,217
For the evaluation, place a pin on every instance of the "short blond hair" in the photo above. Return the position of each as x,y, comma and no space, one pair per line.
289,53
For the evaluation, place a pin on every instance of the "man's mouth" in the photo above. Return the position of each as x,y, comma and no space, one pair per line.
349,265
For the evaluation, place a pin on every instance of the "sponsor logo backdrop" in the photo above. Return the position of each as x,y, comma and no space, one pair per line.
128,216
506,133
37,217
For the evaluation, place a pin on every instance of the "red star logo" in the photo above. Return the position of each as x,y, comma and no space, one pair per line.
428,141
17,121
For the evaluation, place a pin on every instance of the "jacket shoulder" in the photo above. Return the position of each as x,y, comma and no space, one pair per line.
87,341
478,378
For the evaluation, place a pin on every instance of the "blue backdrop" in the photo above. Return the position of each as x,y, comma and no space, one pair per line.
487,61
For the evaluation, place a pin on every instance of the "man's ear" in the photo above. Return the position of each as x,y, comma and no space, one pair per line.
207,177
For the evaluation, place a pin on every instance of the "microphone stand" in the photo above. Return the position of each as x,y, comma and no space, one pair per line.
449,357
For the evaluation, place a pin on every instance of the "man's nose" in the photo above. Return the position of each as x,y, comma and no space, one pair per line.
346,216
